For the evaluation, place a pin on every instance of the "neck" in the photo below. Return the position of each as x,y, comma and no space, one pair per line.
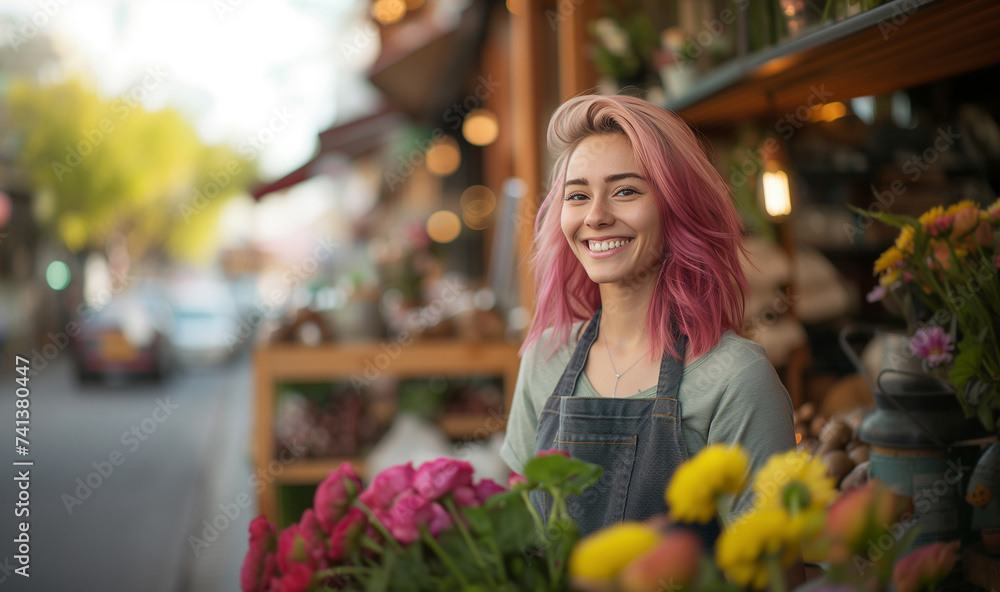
623,315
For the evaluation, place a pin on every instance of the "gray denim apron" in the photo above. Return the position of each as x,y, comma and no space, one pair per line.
637,441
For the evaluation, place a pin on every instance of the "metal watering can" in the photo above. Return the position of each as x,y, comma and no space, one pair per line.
921,442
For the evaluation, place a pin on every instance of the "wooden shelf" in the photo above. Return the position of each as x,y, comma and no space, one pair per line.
368,361
311,471
898,45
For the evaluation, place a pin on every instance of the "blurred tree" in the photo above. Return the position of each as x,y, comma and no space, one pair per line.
99,167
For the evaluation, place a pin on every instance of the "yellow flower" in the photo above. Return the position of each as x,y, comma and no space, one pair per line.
965,204
717,469
603,554
742,550
904,242
930,216
889,278
793,481
888,260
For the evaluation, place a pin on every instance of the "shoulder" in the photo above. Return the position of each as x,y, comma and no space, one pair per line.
544,360
729,359
734,371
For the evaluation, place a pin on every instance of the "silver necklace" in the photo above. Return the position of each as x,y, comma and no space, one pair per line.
618,375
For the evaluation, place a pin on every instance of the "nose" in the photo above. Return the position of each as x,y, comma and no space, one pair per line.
599,214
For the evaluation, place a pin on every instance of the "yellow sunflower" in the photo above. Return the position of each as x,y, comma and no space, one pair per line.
904,242
889,259
743,549
928,218
696,485
603,554
965,204
793,481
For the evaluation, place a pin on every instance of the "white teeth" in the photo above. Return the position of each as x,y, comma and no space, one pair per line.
598,247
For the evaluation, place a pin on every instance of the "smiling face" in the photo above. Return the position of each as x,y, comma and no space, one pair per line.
609,213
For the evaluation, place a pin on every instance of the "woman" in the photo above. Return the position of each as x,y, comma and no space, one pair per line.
633,360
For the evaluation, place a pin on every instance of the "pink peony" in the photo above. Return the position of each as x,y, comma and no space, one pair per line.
386,486
440,519
933,345
466,496
515,479
487,488
346,534
297,579
259,562
303,543
440,477
924,568
334,495
406,515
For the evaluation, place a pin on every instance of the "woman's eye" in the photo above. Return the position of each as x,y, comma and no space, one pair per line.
626,191
575,197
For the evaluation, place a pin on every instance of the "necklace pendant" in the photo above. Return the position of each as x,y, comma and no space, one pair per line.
617,376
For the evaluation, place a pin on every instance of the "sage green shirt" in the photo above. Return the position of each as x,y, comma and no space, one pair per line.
729,395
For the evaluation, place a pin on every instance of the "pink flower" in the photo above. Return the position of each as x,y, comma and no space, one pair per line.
346,534
859,514
933,345
440,477
877,294
924,568
487,488
440,519
297,579
259,562
334,495
302,543
386,486
515,479
466,496
552,451
406,515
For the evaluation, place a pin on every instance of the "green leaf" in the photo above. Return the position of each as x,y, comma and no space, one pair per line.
886,218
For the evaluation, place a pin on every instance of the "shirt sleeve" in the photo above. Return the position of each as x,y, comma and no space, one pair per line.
522,421
755,412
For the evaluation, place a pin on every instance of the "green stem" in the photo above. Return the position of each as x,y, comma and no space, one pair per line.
380,527
473,547
539,527
445,558
775,575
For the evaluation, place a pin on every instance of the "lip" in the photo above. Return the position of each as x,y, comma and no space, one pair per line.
610,252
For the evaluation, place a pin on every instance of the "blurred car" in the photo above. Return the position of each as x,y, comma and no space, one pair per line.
127,338
206,325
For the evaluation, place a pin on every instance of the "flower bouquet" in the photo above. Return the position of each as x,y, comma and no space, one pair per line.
429,528
863,538
942,274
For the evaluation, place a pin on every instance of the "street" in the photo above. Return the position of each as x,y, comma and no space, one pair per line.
126,479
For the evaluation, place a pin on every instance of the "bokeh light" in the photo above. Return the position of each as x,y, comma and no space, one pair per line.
388,12
478,202
57,275
481,127
443,226
516,7
444,157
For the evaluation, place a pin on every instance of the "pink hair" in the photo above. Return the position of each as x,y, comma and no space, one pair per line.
699,282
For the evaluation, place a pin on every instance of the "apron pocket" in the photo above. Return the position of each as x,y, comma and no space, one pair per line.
603,503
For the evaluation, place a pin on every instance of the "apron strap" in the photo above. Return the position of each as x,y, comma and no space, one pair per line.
567,382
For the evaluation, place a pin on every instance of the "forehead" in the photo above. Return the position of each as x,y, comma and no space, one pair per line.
603,154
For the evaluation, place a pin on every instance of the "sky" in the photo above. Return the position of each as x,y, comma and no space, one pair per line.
232,66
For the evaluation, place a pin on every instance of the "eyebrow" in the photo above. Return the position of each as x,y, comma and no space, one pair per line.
608,179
